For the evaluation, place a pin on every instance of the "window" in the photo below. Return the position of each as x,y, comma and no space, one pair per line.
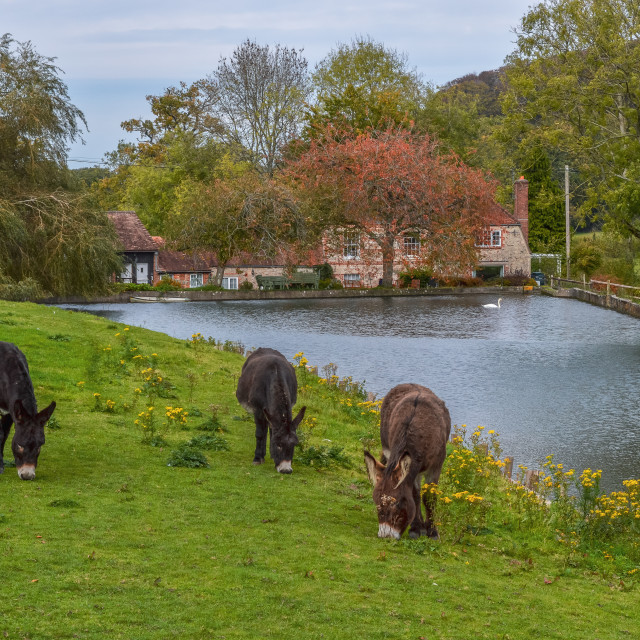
230,283
195,280
490,238
126,275
411,245
351,250
489,271
351,279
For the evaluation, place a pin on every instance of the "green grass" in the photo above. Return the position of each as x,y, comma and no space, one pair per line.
109,541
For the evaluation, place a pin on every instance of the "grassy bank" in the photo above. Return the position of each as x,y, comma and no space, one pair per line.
111,541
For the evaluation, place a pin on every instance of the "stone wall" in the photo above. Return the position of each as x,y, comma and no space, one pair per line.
513,255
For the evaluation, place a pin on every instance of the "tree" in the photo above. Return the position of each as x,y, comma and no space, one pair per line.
242,213
50,240
573,85
183,141
259,94
58,241
37,120
547,226
365,85
391,183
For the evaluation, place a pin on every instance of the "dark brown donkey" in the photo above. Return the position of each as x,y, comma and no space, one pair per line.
268,388
414,429
18,405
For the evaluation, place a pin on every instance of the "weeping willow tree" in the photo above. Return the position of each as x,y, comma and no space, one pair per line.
51,240
55,244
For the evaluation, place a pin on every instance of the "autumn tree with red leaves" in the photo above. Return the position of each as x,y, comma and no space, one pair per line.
392,183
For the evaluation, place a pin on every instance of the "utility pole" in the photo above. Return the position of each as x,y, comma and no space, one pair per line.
567,220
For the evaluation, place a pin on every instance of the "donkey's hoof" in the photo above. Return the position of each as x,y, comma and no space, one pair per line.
258,461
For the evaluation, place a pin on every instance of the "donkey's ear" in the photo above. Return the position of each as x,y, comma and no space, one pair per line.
374,468
298,419
402,469
45,414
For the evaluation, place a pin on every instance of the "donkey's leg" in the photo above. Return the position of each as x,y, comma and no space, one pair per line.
5,426
262,428
417,527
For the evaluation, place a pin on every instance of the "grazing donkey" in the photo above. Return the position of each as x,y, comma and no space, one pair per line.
18,404
414,429
268,388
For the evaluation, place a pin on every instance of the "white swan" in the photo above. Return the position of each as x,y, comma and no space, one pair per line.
493,306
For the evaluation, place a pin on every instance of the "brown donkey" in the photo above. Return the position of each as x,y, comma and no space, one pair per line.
414,429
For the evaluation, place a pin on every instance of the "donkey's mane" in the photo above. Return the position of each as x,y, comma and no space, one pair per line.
400,443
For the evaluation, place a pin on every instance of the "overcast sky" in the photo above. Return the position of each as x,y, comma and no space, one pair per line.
115,53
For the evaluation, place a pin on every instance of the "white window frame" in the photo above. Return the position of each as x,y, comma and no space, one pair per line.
352,279
351,246
195,280
411,246
491,238
230,282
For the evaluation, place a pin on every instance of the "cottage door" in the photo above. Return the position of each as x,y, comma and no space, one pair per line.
143,273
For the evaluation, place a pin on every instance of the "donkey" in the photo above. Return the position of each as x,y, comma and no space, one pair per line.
18,404
268,388
414,429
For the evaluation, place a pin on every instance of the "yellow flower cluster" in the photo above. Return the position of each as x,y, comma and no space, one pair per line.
590,478
619,505
176,415
145,419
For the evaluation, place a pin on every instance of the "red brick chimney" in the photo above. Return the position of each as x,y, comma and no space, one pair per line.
521,205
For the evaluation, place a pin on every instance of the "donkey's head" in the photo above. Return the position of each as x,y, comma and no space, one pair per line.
28,438
392,495
283,438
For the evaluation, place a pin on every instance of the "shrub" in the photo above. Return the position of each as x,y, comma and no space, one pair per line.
211,442
323,456
330,283
210,286
460,281
187,456
168,284
246,285
424,274
120,287
20,291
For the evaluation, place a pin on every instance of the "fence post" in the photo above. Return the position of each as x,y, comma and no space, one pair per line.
531,479
608,288
508,466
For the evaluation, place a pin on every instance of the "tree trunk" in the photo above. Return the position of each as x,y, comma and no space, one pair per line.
217,280
388,255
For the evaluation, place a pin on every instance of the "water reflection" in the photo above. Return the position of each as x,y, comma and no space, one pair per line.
550,375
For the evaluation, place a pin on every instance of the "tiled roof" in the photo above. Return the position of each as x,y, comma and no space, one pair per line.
180,262
499,215
132,233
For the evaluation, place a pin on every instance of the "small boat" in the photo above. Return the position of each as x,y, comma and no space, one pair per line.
149,299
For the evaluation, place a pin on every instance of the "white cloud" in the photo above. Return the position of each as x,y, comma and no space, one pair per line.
160,43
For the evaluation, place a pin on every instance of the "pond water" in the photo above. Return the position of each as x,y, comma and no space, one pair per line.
549,375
